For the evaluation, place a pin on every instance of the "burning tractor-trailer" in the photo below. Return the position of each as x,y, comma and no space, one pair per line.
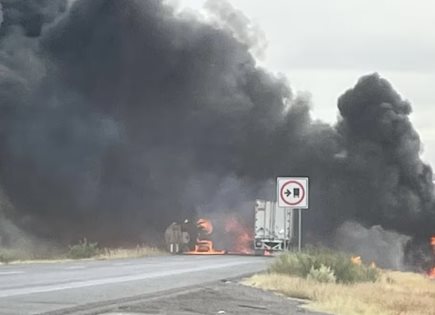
271,230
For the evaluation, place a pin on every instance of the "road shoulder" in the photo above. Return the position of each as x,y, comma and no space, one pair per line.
224,297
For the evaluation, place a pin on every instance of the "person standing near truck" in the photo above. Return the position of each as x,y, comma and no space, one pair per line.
174,238
190,232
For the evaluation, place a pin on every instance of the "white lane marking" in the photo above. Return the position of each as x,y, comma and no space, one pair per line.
122,264
90,283
5,273
75,267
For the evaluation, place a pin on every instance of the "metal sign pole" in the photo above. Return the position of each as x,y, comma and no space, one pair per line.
292,192
300,230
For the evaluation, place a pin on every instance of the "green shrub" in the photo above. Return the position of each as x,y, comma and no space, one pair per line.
83,249
298,264
323,274
6,256
341,265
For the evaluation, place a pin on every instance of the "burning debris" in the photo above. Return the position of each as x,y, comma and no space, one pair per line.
356,260
191,239
384,247
431,272
236,238
119,117
241,235
204,244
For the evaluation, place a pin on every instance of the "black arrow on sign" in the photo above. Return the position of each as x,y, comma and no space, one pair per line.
287,193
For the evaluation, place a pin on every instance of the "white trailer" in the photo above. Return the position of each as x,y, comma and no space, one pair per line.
273,226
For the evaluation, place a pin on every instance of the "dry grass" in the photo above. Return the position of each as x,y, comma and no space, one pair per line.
16,256
137,252
395,293
57,260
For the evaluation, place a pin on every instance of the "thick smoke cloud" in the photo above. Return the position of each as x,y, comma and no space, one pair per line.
245,31
393,186
119,117
29,16
386,248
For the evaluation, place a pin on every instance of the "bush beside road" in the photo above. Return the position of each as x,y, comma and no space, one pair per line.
333,283
325,265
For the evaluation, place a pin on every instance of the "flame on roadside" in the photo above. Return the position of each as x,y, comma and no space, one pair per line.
241,235
203,245
356,260
267,253
431,272
205,225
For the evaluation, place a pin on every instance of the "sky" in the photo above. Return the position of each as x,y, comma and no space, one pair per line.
323,47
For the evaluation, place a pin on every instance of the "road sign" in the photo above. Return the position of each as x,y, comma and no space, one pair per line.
292,192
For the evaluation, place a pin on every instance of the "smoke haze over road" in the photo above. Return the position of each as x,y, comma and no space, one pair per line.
119,117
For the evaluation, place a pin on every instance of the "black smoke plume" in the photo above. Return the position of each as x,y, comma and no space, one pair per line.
29,16
119,117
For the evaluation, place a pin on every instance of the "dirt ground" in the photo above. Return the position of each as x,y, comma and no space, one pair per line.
226,297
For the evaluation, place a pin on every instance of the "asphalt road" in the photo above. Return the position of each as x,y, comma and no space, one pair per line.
81,285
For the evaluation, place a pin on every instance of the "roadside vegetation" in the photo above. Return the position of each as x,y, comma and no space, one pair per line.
7,255
11,255
136,252
83,249
336,283
80,250
324,265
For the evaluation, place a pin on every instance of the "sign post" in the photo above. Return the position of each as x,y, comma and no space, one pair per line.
292,192
300,231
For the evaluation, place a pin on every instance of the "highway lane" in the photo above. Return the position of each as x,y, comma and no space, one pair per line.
40,288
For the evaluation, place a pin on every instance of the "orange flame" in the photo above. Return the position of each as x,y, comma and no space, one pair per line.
205,246
356,260
205,225
431,272
242,237
267,253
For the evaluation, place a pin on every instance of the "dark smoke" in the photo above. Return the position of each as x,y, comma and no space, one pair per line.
393,186
386,248
120,117
29,16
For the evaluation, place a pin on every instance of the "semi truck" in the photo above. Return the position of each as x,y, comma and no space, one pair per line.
273,226
272,232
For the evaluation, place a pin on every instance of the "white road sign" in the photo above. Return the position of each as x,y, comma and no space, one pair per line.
292,192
